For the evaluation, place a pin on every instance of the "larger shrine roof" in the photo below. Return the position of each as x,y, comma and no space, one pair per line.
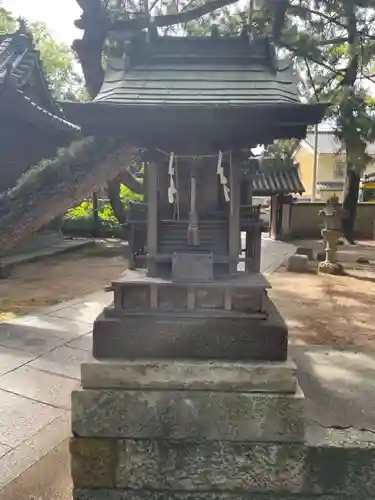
34,125
23,85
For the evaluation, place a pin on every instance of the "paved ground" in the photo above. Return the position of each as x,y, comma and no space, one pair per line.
40,253
40,360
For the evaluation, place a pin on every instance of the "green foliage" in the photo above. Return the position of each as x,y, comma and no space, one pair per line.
58,63
57,58
85,209
281,149
7,22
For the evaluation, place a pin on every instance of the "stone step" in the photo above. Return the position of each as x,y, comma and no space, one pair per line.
188,415
112,494
221,470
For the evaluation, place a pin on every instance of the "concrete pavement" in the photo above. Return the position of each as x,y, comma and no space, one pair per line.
40,359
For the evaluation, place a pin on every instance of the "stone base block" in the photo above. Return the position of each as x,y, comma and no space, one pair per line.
334,268
79,494
158,469
218,376
191,335
209,415
298,263
309,252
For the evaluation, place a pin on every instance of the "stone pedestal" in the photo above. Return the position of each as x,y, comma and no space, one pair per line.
148,428
201,430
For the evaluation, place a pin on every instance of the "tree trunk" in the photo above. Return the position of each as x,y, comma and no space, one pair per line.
95,212
113,191
52,187
350,203
127,178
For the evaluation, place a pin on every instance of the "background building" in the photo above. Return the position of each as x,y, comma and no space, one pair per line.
331,164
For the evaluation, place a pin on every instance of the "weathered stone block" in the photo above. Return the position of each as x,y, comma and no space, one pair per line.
188,415
205,495
92,462
192,335
190,375
345,471
210,466
309,252
298,263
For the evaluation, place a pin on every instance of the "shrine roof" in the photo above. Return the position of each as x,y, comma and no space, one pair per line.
196,93
24,90
198,71
277,181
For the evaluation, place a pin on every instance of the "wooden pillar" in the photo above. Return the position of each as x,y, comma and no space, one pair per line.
234,218
257,249
273,216
152,217
249,251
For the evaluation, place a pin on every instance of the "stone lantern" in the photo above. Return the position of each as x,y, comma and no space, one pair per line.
331,232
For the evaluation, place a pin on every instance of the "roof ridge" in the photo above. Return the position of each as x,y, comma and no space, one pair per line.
33,52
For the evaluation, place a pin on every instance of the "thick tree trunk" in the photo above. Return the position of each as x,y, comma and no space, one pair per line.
95,211
350,203
113,191
50,188
127,178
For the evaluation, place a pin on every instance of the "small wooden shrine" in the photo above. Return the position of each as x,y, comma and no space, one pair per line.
196,106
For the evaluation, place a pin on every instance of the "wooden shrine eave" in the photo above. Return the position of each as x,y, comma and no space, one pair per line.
14,103
224,127
20,62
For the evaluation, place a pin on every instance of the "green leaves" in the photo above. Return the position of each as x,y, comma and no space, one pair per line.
57,58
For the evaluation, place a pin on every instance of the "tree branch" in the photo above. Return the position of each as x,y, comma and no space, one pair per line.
338,72
170,19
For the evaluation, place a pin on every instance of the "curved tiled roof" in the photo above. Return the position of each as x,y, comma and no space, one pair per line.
20,67
277,181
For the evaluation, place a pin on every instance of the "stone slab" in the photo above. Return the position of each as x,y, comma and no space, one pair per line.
298,263
338,470
28,339
93,462
257,467
165,337
210,466
66,329
42,253
309,252
84,343
41,386
190,375
101,494
29,452
63,361
4,449
10,359
339,388
48,478
20,418
222,416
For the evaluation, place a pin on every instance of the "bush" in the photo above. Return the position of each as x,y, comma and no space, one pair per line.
79,220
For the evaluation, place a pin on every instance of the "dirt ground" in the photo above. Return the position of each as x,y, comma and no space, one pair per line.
335,310
35,285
